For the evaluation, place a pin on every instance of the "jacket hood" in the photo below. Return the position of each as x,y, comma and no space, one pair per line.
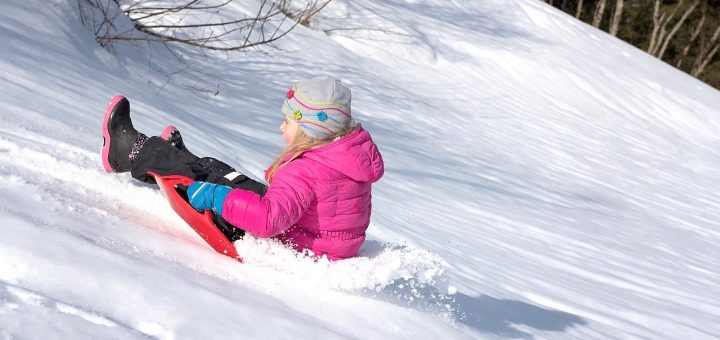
355,155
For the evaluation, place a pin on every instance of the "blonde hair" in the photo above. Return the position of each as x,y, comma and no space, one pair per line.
300,143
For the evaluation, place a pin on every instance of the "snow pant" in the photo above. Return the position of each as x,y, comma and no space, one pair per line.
161,157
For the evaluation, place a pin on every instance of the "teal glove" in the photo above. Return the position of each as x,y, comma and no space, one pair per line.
207,196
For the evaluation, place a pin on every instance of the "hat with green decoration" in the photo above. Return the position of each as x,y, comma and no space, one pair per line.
320,106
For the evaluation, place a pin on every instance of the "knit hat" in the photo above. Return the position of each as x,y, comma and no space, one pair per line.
321,106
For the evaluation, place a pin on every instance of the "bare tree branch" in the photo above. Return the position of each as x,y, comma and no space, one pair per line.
180,22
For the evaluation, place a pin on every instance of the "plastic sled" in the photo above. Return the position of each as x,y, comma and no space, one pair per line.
202,223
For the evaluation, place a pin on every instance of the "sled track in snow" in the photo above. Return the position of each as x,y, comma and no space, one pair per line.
73,178
30,303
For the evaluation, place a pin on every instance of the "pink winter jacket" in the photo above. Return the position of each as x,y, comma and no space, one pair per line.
320,201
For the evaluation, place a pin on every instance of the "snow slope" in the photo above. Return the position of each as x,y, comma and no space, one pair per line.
542,180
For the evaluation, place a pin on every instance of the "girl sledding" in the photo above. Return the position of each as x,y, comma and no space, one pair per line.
318,192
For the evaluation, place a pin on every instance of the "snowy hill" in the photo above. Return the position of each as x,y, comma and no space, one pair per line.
543,179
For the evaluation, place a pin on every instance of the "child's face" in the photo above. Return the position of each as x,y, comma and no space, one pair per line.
288,128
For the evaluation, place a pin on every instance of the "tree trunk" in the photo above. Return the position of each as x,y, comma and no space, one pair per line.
617,16
706,61
707,52
660,23
599,13
656,27
579,9
677,26
693,37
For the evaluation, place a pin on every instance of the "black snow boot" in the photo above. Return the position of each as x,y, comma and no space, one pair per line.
172,135
120,139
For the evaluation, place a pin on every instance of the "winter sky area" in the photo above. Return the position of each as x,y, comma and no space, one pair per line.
543,180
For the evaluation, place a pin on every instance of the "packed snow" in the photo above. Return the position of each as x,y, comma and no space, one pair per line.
543,179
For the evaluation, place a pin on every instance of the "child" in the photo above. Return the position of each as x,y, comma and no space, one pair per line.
319,193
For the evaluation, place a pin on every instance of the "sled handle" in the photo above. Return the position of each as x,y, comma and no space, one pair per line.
201,222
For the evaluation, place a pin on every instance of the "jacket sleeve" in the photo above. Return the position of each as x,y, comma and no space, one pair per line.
284,203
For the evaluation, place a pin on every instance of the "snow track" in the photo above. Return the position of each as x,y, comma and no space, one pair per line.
63,176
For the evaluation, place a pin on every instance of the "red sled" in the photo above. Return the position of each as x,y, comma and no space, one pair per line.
202,223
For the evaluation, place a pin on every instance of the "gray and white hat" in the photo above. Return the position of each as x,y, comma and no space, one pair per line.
321,106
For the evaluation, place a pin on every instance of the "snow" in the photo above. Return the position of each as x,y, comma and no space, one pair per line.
543,179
